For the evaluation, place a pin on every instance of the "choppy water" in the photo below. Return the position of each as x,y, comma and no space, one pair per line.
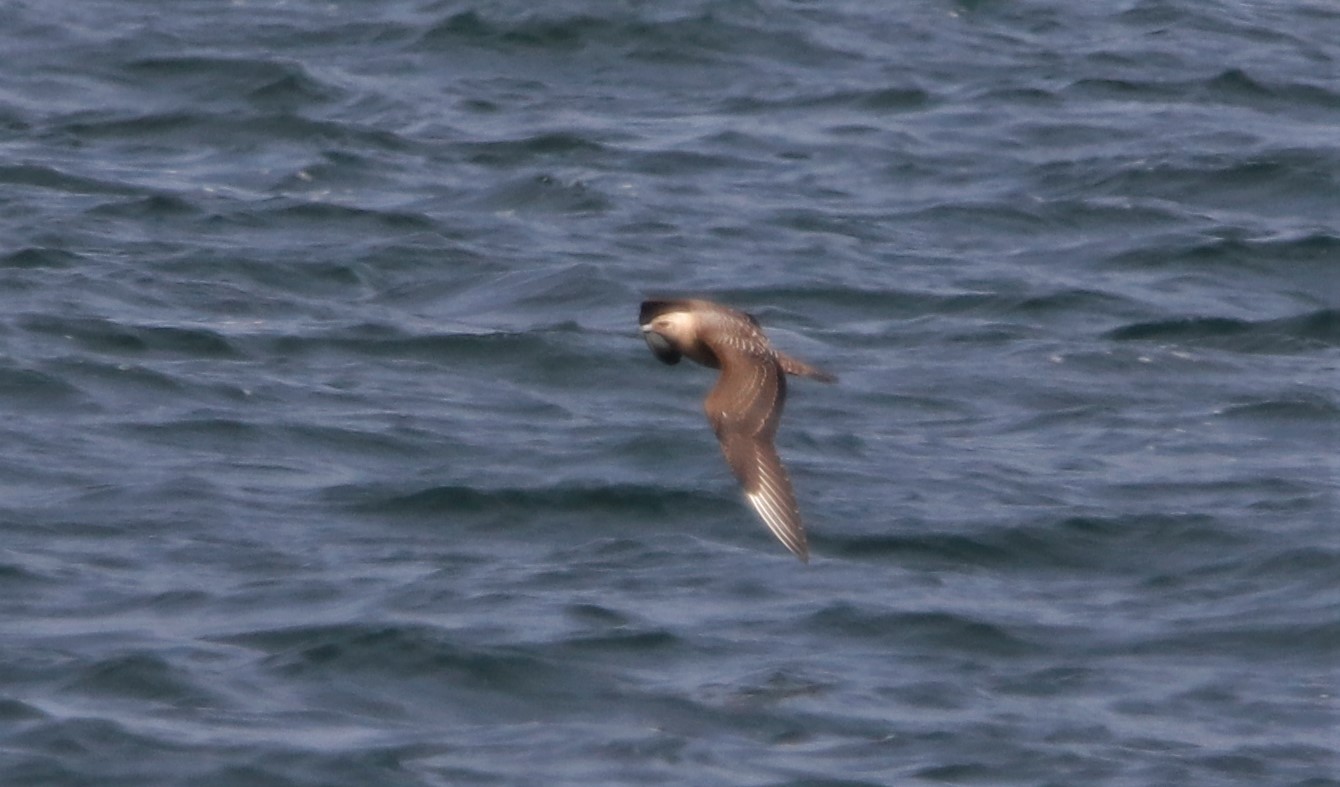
332,457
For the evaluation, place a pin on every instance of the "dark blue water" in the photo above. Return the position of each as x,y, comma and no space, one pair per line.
331,454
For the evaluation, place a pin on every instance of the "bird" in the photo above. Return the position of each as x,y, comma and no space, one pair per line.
745,406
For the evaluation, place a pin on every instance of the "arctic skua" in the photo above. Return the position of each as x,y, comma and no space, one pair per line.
745,405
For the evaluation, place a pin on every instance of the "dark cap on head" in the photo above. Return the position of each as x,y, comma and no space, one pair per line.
655,308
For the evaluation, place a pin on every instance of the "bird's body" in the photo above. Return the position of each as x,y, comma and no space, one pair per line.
745,405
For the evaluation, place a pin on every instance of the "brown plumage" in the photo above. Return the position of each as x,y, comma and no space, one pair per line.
745,406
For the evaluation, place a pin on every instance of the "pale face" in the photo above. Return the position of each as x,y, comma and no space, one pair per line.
669,334
678,327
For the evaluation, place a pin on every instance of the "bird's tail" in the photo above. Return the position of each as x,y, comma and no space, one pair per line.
801,369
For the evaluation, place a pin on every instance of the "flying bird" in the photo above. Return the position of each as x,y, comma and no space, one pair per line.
745,405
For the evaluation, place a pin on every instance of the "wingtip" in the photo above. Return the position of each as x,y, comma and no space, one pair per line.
802,551
788,530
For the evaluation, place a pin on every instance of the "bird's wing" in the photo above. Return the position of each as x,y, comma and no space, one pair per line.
768,489
744,409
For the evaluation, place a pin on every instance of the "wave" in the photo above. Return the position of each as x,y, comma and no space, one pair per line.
1299,333
36,389
744,30
1304,408
110,336
614,501
208,78
1079,543
937,630
41,257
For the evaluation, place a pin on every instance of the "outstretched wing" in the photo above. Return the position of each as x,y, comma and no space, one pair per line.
767,488
744,409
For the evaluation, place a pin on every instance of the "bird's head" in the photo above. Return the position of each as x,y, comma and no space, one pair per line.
669,328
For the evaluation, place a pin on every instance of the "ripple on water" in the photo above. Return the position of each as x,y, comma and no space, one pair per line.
332,456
